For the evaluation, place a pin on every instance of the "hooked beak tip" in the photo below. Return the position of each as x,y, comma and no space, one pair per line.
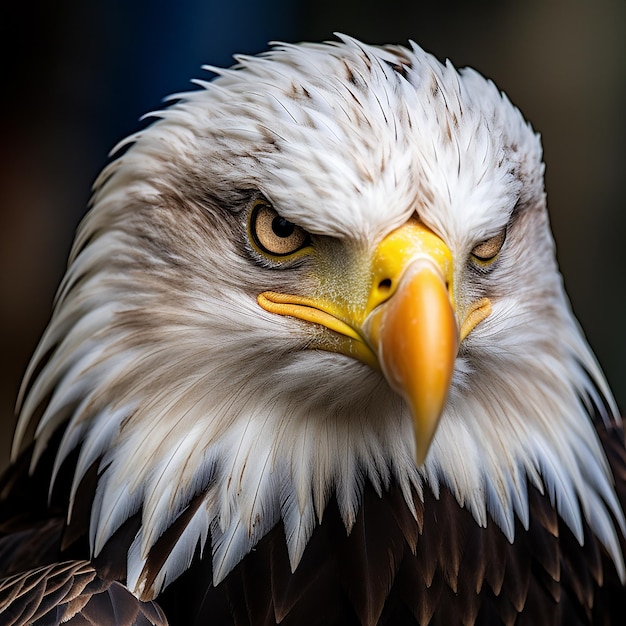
416,338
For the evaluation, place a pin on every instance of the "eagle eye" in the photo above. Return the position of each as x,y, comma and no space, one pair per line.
486,251
273,234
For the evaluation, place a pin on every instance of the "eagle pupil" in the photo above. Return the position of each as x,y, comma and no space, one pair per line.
281,227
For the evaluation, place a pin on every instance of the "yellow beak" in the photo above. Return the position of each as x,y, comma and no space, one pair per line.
406,325
413,329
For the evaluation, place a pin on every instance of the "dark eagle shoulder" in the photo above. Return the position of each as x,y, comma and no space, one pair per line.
72,593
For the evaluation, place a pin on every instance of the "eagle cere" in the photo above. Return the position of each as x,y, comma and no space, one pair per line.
312,362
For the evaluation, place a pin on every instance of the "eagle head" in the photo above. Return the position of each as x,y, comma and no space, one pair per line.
329,267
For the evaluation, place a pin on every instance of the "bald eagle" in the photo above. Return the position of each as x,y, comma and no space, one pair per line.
312,362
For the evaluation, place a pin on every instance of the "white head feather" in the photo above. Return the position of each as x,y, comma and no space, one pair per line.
177,383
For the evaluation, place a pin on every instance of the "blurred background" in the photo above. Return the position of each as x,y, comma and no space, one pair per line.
77,75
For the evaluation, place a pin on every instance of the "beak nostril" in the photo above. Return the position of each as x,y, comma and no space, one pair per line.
385,284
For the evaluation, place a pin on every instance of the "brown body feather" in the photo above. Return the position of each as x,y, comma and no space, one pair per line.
392,568
72,593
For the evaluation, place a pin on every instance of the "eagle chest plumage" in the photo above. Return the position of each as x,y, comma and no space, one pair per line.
312,362
440,568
